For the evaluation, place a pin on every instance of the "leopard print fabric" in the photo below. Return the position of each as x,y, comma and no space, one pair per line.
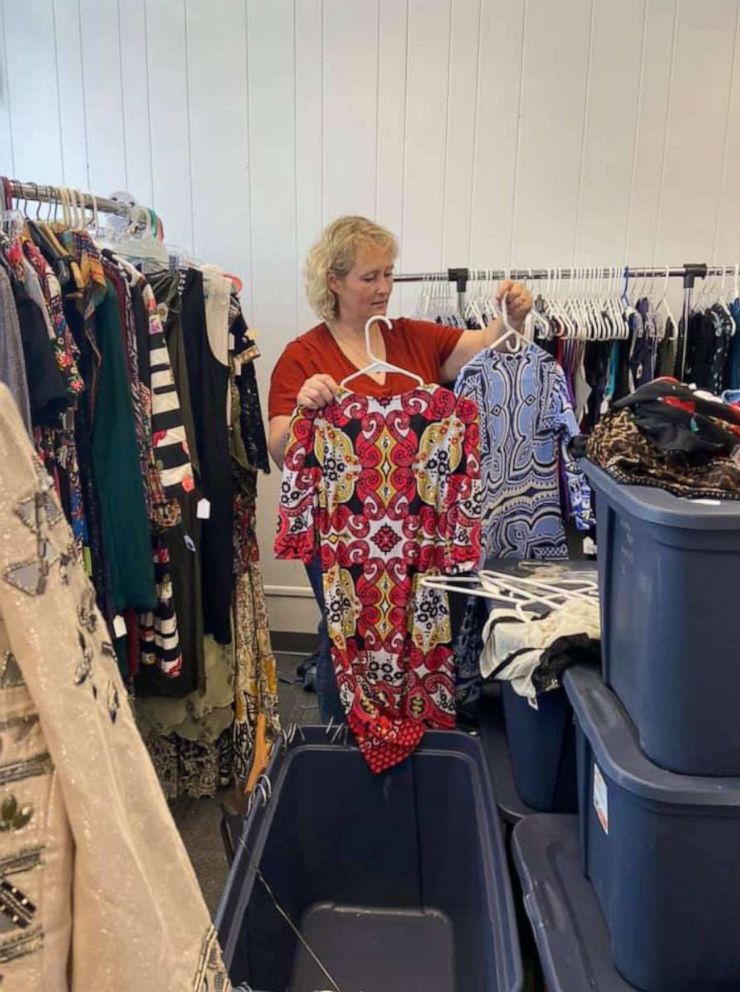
617,446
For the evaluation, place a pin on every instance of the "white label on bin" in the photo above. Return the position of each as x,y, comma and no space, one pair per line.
601,799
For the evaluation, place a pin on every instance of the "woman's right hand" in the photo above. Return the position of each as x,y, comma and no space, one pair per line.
317,392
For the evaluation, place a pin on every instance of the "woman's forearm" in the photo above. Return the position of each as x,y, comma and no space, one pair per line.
277,439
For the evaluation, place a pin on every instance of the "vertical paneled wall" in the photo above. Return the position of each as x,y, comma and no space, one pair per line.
484,132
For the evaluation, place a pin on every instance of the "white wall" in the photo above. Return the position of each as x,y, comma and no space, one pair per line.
484,132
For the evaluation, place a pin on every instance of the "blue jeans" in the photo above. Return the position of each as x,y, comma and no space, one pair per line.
330,708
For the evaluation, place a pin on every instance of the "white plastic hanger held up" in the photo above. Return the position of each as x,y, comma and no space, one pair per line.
378,365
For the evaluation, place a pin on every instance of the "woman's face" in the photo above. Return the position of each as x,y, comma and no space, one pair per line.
365,290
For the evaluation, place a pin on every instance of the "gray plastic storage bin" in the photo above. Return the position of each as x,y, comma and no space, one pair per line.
568,925
669,573
397,882
662,851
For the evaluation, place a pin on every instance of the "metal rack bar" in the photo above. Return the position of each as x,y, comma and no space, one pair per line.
460,275
52,194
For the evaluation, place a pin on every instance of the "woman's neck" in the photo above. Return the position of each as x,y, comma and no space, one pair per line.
347,330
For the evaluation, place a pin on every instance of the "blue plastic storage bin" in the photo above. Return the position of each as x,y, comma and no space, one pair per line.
542,746
396,882
662,851
568,925
668,577
511,806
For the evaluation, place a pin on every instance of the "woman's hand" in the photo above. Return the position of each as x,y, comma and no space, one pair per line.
317,392
518,301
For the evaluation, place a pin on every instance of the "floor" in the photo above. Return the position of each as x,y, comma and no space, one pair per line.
199,820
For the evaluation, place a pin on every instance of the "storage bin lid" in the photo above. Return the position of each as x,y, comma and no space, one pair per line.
657,506
616,747
567,922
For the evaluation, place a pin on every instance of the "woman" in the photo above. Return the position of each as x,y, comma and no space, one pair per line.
349,278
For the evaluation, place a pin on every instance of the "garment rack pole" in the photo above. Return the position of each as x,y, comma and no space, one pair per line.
463,276
688,272
53,194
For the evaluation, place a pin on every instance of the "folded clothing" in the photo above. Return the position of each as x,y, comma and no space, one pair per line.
532,651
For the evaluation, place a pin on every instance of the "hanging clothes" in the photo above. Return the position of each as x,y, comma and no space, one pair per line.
141,445
209,380
386,489
12,362
707,348
526,424
527,421
80,797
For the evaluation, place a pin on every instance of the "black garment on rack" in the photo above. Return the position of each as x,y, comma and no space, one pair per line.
706,349
46,388
665,361
251,424
622,386
60,263
209,384
596,362
141,323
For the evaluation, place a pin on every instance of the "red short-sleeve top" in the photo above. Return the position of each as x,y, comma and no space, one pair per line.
417,345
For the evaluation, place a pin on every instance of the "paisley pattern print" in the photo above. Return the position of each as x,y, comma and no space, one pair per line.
388,490
527,421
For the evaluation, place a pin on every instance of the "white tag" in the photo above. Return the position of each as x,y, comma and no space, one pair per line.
204,509
601,799
189,543
119,625
589,546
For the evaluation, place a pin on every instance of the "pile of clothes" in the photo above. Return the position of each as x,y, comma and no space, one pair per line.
543,618
669,435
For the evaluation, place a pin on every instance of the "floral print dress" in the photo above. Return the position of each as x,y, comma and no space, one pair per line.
387,490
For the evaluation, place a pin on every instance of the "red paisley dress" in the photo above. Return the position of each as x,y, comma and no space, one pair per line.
386,490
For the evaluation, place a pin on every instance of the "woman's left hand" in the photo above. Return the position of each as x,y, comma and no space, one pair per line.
518,301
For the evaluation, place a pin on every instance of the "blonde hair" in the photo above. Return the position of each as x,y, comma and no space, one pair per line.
335,252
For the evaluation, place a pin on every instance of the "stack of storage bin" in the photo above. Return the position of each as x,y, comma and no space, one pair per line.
658,751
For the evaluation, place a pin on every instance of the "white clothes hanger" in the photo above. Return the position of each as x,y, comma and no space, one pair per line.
378,364
517,591
664,307
511,333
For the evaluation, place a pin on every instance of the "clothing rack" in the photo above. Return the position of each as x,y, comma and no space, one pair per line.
57,194
689,273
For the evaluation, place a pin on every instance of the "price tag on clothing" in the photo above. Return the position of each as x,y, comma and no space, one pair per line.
601,799
203,510
119,626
